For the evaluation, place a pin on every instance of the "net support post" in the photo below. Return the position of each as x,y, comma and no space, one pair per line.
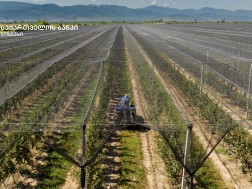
187,149
248,93
83,159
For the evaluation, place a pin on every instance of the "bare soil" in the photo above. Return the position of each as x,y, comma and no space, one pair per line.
112,165
156,174
71,182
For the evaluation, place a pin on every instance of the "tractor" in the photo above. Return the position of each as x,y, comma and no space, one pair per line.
125,112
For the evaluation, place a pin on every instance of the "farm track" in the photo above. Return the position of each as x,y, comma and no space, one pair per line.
156,174
112,164
155,171
111,151
229,170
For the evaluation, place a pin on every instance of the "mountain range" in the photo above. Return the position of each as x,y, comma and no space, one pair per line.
11,10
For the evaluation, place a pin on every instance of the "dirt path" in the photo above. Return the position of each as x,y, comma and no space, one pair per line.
156,174
155,170
111,150
230,171
70,181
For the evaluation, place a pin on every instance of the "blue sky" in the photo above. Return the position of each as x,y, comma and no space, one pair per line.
180,4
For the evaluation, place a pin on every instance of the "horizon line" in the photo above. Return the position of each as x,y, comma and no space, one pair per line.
130,7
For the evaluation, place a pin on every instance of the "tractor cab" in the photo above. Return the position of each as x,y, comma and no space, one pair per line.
125,112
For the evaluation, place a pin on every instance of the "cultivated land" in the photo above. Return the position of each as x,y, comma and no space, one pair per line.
58,92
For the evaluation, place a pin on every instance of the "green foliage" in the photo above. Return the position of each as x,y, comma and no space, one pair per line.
167,111
238,140
209,177
160,109
44,110
42,22
94,135
54,173
133,174
19,154
57,167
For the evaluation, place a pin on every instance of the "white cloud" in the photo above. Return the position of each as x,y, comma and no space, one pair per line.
153,2
169,4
